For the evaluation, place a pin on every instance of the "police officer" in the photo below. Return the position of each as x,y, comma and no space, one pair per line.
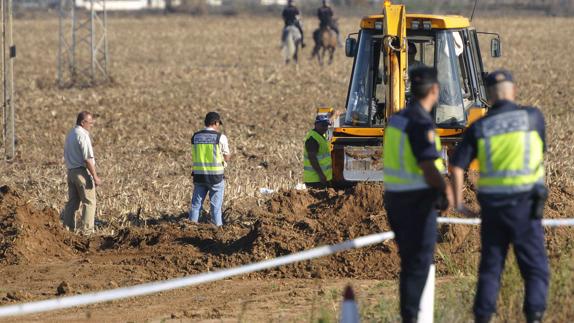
509,143
291,17
317,168
325,15
414,186
210,153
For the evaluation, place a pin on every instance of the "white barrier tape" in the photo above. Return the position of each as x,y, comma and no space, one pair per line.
474,221
458,220
155,287
558,222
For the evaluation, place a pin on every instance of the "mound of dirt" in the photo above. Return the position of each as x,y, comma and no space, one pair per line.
31,236
288,222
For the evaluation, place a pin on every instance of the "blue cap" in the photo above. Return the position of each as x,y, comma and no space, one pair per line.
322,118
498,76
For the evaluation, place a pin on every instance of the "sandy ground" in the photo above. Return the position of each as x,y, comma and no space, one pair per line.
266,300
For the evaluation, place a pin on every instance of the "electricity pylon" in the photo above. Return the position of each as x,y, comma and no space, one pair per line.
83,43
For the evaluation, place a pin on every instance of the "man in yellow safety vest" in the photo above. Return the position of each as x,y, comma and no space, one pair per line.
509,143
414,186
210,152
317,168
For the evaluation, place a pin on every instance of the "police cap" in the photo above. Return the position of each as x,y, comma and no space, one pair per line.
498,76
322,118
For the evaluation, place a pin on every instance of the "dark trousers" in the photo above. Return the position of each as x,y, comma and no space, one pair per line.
502,226
412,217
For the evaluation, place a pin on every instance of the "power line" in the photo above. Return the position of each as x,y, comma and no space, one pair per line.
8,56
473,9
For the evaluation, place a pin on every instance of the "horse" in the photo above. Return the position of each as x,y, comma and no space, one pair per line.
325,41
290,43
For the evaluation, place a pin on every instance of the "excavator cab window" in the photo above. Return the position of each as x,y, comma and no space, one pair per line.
366,81
445,50
420,53
477,67
450,111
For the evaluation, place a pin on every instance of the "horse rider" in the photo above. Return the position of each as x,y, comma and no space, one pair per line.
325,15
414,186
509,143
317,169
291,18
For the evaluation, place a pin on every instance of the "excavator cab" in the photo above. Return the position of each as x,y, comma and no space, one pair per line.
384,50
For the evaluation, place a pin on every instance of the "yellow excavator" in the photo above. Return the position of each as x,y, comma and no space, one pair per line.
384,49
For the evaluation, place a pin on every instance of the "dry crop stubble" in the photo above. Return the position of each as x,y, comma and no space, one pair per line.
536,50
169,71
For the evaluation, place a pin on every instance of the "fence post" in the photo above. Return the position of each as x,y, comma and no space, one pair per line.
349,309
426,308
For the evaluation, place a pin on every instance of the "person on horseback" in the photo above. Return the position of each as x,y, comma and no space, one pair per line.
325,14
291,18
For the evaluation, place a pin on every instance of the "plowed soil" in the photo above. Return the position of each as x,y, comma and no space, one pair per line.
166,247
41,259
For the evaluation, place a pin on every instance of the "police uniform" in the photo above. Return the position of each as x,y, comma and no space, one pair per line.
310,176
325,15
208,172
509,143
290,16
410,202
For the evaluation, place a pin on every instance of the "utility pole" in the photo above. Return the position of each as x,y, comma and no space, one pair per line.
8,55
83,44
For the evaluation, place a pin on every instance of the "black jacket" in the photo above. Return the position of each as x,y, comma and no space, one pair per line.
325,15
290,14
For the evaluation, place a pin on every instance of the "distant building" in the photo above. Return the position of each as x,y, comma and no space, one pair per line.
273,2
133,5
123,5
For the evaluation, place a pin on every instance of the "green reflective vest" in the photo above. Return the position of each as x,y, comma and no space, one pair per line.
401,170
207,157
510,153
323,156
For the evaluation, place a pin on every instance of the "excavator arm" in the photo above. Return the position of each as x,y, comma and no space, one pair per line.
378,85
395,54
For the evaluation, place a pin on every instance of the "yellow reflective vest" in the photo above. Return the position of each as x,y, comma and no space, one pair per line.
323,156
207,157
401,170
510,153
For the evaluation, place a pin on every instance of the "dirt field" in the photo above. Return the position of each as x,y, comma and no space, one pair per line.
168,72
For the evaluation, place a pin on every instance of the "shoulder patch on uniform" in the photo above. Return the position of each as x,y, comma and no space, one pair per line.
431,136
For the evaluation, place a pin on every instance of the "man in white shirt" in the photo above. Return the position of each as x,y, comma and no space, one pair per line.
82,176
210,154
